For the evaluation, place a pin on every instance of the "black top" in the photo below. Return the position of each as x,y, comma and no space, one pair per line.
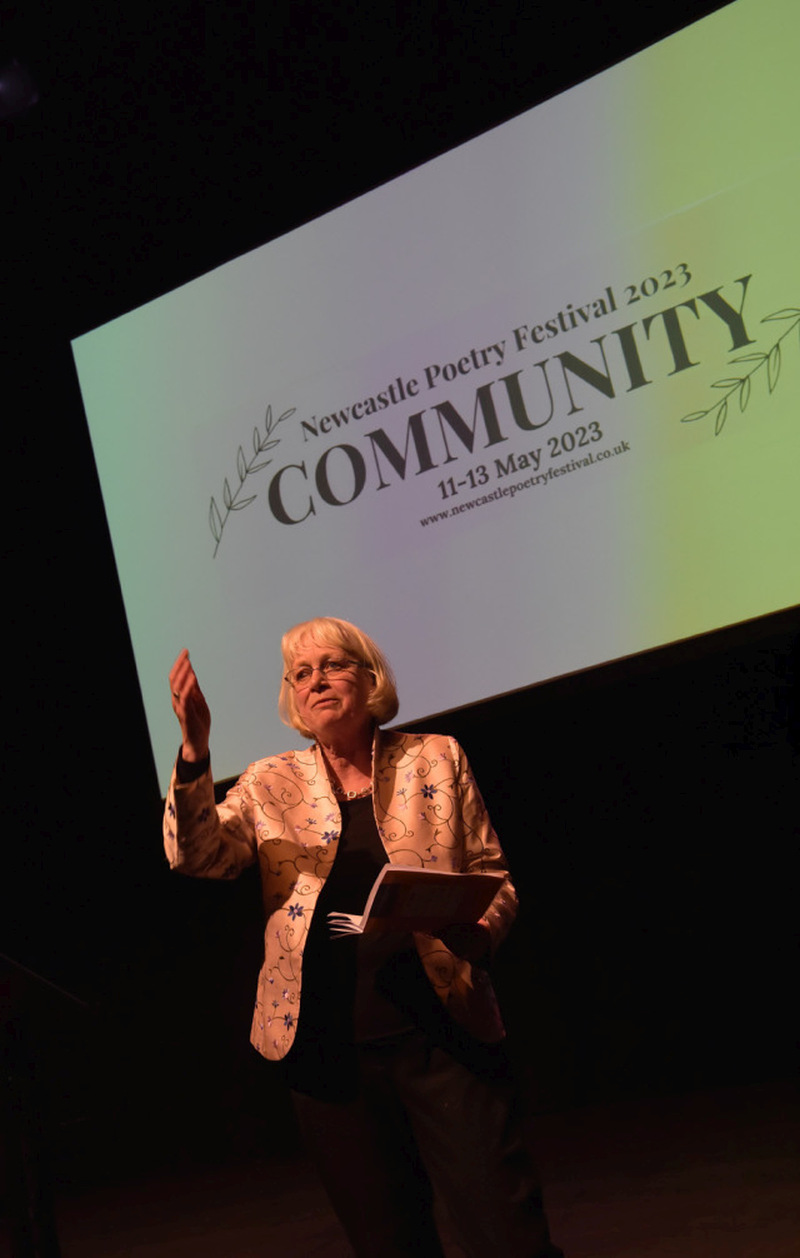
356,989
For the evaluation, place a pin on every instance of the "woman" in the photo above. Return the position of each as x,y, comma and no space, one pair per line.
391,1044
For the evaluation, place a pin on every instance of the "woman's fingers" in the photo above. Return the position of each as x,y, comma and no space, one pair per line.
190,707
180,674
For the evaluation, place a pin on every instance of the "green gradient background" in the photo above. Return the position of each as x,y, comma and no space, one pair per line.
723,139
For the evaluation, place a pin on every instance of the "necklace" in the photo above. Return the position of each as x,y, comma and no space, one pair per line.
341,793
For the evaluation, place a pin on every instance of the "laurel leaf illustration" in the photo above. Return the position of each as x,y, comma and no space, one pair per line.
215,521
261,443
743,384
722,415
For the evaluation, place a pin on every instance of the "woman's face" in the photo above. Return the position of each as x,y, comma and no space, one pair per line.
332,706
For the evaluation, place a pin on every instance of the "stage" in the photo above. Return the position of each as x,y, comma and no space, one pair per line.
712,1174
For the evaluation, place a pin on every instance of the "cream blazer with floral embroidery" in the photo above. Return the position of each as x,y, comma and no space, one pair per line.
283,814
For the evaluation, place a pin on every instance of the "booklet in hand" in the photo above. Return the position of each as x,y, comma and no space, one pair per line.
406,897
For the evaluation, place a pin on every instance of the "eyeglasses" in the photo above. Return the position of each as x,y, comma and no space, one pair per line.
300,678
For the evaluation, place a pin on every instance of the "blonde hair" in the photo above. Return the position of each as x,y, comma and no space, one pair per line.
330,631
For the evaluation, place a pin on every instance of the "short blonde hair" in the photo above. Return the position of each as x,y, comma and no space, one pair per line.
330,631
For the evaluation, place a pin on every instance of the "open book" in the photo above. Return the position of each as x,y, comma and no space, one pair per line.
405,897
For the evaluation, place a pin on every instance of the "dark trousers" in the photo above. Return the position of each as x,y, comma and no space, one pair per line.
424,1119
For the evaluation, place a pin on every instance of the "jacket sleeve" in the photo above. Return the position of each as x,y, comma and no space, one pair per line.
202,839
482,850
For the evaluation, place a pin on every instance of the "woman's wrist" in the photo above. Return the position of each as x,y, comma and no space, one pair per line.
188,769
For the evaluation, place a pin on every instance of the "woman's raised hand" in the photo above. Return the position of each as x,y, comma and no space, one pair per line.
191,709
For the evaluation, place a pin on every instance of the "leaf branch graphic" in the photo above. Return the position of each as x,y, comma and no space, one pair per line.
741,385
231,498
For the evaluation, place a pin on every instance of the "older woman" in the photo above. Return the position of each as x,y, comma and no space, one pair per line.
391,1043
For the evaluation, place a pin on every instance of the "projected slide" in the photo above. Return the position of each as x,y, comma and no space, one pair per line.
530,407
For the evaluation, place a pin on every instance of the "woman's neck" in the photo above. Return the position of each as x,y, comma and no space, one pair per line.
350,765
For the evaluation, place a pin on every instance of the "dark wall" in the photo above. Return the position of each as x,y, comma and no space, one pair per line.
648,816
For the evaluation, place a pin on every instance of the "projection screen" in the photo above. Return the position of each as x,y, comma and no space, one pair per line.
527,408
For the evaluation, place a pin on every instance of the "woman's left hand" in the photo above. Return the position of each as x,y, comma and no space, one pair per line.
470,940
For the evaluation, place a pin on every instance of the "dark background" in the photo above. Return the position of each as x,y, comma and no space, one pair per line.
648,808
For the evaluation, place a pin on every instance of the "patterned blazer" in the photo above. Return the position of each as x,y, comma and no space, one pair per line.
282,813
